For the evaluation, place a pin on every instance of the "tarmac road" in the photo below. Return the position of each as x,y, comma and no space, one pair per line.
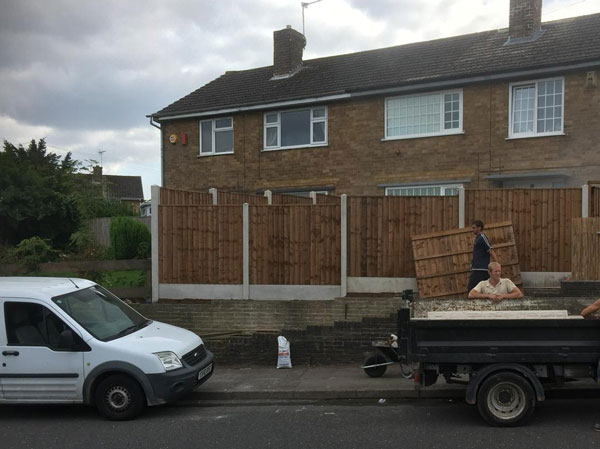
414,423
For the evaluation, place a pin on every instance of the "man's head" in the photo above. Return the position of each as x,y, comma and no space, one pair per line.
477,227
495,270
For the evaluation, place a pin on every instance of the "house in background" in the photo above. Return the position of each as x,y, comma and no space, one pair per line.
146,209
515,107
126,189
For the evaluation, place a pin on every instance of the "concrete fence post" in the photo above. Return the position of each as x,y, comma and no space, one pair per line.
461,207
269,196
154,270
213,192
343,245
313,195
246,251
585,200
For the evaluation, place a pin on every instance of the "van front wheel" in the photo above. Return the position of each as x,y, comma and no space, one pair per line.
119,398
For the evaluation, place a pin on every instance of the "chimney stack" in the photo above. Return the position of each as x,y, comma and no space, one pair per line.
525,18
287,51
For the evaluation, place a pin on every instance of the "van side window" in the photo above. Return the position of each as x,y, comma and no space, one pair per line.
30,324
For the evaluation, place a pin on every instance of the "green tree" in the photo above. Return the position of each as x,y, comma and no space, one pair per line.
37,194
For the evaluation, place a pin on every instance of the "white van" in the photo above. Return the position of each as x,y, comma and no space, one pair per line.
65,340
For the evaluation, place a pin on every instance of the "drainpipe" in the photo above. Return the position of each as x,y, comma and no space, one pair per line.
157,126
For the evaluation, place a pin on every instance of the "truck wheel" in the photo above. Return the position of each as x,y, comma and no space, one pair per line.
376,371
506,399
406,370
119,398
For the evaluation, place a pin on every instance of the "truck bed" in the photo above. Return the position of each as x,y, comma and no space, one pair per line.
473,341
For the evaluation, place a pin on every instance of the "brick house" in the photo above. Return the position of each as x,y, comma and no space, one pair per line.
125,189
515,107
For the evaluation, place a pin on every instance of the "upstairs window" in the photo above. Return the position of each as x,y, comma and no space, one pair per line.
216,136
296,128
423,115
537,108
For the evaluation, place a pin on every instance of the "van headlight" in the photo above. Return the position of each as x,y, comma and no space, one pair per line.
169,360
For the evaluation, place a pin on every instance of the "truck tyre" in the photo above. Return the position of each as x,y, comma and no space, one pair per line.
506,399
376,371
119,398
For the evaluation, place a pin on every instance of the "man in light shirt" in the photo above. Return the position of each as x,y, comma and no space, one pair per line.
495,288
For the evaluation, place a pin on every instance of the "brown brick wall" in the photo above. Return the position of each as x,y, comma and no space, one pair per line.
320,332
356,159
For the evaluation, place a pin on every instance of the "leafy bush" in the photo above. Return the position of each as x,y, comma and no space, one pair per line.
128,238
34,251
82,246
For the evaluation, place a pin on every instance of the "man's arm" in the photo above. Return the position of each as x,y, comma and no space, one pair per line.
493,257
514,294
475,294
591,309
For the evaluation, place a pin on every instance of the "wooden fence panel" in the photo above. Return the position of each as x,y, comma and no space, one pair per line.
328,199
295,245
380,230
278,198
594,201
173,196
541,221
200,244
443,259
585,249
239,198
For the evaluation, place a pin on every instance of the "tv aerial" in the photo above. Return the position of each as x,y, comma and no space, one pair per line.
305,5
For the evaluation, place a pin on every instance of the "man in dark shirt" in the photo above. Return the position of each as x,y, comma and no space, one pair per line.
482,253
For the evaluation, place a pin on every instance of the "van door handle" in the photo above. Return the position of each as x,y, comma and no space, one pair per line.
10,353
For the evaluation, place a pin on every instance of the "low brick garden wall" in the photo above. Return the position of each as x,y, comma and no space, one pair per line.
320,332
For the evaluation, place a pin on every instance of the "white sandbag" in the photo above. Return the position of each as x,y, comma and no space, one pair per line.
284,359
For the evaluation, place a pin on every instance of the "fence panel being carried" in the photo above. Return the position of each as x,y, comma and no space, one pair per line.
443,259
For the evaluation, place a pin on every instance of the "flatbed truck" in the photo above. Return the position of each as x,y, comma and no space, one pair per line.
506,364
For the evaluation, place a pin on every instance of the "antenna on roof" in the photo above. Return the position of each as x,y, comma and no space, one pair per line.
304,6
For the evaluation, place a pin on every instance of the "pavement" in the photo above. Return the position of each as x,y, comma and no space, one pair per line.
337,382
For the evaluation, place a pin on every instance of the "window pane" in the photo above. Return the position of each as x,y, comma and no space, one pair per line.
451,109
272,137
271,118
223,141
549,106
223,123
206,139
295,128
319,132
414,115
523,101
318,112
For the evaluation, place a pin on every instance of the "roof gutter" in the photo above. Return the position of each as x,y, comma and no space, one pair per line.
156,125
386,91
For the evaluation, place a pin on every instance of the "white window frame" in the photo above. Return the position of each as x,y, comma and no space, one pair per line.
442,131
277,124
443,188
511,133
214,131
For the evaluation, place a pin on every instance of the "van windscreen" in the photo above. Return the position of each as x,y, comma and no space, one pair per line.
101,313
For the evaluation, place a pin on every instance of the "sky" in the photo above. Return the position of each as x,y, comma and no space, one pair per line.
84,74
